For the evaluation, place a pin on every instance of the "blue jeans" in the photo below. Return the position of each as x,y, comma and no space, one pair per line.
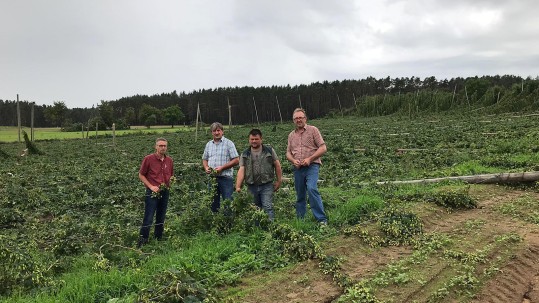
263,195
305,179
224,188
157,206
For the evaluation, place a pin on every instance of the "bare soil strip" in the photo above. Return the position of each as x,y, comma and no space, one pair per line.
507,273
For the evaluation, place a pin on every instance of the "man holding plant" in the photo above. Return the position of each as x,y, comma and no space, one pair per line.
219,158
156,172
305,147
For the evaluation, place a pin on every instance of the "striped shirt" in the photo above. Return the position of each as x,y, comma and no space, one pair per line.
219,153
305,142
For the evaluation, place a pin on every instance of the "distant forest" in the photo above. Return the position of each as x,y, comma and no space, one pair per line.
250,105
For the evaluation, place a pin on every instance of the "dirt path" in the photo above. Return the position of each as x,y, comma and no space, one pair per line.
513,270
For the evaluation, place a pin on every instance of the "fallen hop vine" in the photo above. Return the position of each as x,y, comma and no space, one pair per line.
163,187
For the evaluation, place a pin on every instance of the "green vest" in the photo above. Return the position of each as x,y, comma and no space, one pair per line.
267,168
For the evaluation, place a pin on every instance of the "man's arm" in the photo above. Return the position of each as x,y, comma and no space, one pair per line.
147,183
239,178
279,173
228,165
290,158
207,168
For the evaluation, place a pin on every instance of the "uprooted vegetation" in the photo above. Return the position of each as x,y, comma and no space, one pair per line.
70,220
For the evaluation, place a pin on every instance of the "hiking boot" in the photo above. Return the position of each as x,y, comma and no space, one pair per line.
323,224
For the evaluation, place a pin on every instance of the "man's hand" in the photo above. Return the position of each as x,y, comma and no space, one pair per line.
218,170
154,188
276,185
306,162
238,189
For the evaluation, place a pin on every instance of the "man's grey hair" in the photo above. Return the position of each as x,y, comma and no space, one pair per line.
216,125
299,109
160,139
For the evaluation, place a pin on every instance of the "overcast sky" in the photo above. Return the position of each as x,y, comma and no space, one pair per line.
82,52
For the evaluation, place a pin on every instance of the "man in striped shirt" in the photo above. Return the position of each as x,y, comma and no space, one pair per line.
219,158
305,147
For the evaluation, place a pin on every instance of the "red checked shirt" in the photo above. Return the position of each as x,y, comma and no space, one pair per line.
304,142
157,171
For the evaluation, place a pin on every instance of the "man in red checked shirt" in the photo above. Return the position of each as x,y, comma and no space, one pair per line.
155,172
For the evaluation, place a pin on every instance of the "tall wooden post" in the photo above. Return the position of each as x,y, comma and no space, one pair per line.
229,113
256,112
466,92
279,109
454,92
18,118
114,135
32,122
340,107
196,123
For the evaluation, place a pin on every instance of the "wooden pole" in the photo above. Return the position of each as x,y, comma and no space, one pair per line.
340,107
229,113
196,124
299,98
279,109
32,122
114,134
256,112
478,179
18,117
454,92
466,93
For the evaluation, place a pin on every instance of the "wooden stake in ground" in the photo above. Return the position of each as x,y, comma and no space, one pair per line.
256,112
32,122
229,114
340,107
196,123
18,118
279,109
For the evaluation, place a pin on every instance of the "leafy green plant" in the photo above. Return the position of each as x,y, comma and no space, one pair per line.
453,199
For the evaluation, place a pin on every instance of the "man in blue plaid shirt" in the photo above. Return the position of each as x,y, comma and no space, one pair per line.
219,158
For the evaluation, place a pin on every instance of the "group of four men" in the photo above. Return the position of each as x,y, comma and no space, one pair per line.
259,168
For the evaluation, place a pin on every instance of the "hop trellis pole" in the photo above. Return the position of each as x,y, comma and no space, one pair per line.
279,109
196,123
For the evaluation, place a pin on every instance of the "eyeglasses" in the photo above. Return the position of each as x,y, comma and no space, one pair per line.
299,118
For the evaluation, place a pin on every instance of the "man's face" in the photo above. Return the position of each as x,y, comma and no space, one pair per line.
299,119
217,134
161,147
255,141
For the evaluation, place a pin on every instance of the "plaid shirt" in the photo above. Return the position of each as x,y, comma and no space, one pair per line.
220,153
304,143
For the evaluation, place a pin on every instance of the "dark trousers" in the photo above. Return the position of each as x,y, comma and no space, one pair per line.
157,206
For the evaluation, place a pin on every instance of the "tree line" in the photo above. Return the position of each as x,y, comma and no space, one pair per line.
250,105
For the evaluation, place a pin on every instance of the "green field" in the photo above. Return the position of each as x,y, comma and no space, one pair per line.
10,133
70,216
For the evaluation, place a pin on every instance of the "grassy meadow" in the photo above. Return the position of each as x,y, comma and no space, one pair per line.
11,134
70,216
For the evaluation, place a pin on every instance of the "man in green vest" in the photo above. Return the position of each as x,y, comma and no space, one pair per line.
259,165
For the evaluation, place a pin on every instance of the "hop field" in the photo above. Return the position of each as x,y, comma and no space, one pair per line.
70,217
